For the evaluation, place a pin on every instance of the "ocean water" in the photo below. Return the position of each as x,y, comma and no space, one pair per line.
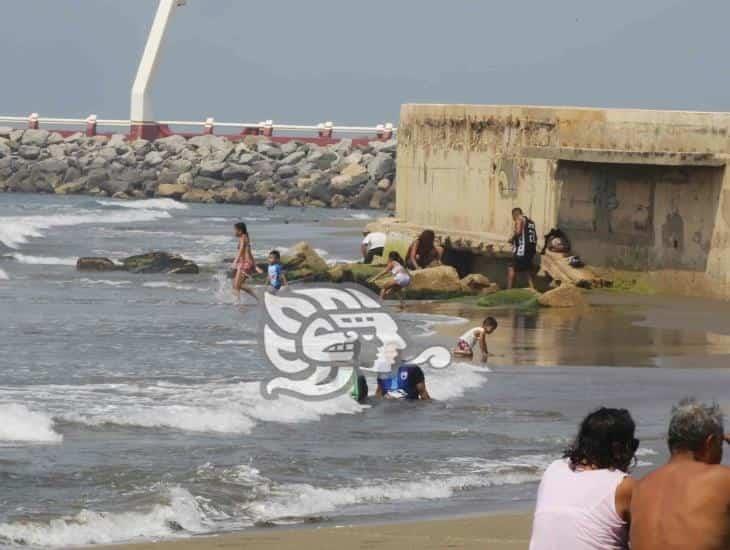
130,405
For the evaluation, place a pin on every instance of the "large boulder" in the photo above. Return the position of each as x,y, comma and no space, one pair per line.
159,262
172,190
303,261
212,168
171,144
38,138
563,296
381,166
476,283
29,152
357,174
443,279
199,195
96,264
237,171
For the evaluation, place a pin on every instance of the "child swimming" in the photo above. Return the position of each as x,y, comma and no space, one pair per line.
467,341
401,276
276,276
244,263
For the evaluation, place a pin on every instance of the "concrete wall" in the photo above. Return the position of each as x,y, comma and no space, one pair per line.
639,190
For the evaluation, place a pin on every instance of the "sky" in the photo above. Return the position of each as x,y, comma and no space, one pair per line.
356,62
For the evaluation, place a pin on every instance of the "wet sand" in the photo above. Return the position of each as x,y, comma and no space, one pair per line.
490,532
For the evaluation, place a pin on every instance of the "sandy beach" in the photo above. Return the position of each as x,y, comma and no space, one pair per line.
489,532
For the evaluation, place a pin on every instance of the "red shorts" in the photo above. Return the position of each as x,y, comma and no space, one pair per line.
463,346
246,267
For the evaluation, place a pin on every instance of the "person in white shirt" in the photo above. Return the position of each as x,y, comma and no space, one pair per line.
584,499
467,341
373,244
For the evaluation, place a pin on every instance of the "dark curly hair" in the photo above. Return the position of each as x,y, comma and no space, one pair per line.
605,440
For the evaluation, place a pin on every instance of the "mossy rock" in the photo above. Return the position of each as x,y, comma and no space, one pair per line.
159,262
522,298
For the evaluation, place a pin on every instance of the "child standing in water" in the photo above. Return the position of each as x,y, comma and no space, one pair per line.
276,276
244,263
467,341
401,276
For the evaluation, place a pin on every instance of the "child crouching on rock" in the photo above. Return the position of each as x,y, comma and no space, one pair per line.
401,277
466,342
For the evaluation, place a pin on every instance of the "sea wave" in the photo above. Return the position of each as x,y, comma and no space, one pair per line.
301,500
151,204
181,515
20,424
3,276
179,417
42,260
16,230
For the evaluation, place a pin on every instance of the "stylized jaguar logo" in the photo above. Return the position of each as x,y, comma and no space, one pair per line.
312,338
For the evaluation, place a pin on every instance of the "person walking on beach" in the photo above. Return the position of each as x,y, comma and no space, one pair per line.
467,341
423,252
685,504
524,248
373,244
244,263
584,499
401,278
276,276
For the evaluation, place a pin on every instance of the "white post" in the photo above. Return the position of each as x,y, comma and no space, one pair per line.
141,109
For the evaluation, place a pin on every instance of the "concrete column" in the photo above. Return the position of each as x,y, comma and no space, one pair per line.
267,128
91,126
142,120
209,126
33,121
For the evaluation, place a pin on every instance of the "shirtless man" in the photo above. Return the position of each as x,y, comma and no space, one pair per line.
685,504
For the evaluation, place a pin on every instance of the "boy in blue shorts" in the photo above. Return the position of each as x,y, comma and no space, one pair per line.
276,277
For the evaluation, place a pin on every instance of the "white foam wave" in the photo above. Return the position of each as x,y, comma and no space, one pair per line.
301,500
361,216
104,282
182,511
16,230
3,276
19,424
42,260
168,284
454,381
645,451
236,343
152,204
180,417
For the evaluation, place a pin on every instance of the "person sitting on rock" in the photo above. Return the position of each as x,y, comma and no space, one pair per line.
373,244
423,251
467,341
401,278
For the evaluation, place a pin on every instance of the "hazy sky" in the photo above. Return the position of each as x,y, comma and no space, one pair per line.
355,62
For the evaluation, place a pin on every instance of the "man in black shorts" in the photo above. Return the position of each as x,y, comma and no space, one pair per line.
524,248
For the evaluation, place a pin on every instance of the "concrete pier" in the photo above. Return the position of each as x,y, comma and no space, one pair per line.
634,189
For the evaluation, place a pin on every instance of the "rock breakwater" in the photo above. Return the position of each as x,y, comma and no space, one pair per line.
205,168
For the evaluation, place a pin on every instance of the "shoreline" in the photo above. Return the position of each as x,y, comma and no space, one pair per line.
498,531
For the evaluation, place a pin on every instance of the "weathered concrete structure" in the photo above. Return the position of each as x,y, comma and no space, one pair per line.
634,189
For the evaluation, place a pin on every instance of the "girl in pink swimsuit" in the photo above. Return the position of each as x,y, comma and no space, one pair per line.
244,263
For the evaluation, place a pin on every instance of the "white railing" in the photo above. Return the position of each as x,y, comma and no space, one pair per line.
268,127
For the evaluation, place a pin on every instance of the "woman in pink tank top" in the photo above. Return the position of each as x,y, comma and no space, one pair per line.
584,498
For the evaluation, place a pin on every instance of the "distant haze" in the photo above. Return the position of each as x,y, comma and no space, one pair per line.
356,62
